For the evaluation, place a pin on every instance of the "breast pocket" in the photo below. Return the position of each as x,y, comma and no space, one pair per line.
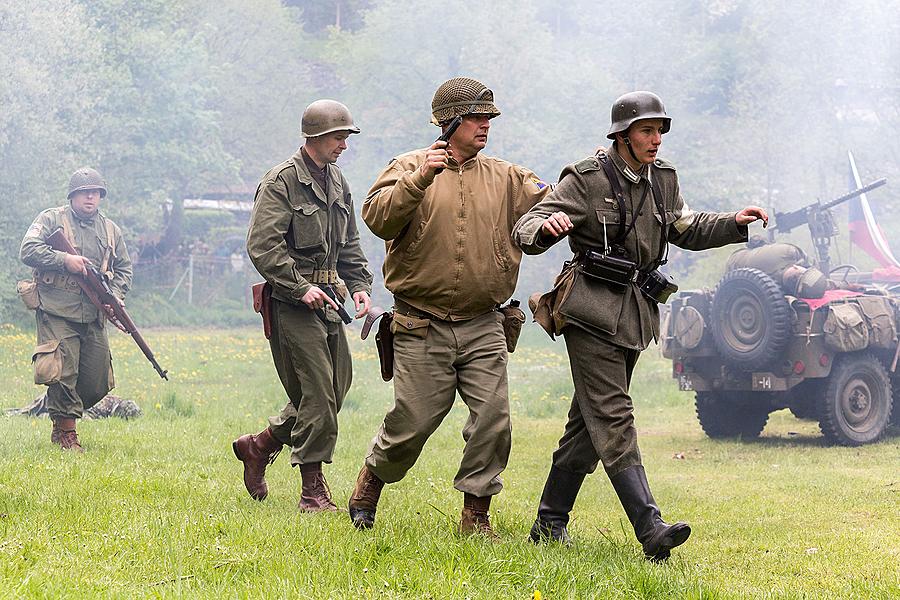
611,220
308,225
342,221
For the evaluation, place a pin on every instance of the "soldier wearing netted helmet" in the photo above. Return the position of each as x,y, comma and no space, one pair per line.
619,210
72,357
446,213
304,241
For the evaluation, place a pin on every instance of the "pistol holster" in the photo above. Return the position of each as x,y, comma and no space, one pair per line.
262,303
384,339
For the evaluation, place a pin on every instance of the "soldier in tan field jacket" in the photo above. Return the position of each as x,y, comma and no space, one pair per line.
72,357
450,263
303,235
620,209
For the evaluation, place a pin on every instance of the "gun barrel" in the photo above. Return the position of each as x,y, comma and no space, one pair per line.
785,222
857,192
342,312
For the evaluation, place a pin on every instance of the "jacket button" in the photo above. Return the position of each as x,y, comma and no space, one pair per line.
409,324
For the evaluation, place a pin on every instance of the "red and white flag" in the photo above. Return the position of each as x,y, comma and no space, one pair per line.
864,229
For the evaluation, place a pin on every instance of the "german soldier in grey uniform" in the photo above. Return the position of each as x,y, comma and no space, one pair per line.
72,357
447,215
303,235
620,209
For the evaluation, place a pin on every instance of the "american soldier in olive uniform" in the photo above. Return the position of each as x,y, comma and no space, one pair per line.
605,325
303,235
72,357
450,262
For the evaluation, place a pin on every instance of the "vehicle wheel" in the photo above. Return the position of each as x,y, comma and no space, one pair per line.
803,399
732,414
856,406
750,319
895,412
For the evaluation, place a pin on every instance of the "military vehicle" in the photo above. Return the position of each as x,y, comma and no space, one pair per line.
746,348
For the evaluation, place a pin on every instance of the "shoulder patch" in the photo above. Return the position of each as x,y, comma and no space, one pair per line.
538,182
587,164
662,163
35,230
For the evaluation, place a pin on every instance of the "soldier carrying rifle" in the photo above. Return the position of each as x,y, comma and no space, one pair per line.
72,357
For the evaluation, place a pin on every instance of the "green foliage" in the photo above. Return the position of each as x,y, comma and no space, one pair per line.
171,99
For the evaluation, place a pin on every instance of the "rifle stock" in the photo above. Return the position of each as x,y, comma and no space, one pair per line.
97,290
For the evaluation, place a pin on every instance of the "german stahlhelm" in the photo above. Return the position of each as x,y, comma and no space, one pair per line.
635,106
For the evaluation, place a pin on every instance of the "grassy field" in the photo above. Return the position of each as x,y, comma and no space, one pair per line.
156,506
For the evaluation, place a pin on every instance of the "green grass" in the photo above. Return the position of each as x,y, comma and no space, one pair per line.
156,506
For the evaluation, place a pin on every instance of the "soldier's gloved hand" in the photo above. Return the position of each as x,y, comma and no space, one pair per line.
750,214
557,224
315,298
435,158
362,301
76,264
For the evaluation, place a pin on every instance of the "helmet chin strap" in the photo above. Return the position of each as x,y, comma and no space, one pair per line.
627,143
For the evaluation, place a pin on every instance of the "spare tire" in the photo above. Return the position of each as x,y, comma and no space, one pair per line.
750,319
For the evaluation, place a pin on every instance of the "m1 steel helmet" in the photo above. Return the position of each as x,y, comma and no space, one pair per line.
86,178
326,116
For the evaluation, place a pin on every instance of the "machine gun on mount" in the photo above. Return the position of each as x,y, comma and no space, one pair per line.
818,218
96,288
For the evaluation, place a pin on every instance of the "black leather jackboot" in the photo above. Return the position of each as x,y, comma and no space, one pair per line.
655,535
557,500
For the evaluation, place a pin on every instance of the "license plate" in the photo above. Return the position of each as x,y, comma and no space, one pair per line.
763,381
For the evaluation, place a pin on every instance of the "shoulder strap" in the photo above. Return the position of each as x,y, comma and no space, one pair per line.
110,246
68,226
622,232
662,257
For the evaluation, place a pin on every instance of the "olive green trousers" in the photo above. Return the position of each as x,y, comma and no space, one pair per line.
314,364
83,374
433,360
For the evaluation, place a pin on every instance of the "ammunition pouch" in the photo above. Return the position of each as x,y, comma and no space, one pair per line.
513,319
384,339
262,303
617,271
656,285
324,276
27,290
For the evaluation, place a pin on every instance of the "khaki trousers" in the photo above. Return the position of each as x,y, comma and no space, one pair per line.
314,364
86,375
431,366
601,418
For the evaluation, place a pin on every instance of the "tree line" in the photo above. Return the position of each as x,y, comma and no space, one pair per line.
171,99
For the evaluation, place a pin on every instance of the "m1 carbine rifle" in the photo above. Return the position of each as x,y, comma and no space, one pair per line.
96,288
817,216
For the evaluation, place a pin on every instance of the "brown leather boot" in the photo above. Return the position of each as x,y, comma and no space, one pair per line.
63,434
475,517
315,495
256,452
364,499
